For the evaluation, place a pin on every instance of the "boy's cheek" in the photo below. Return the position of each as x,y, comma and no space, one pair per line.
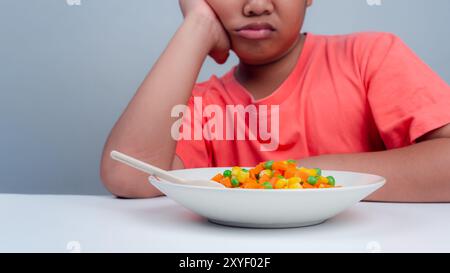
217,7
225,10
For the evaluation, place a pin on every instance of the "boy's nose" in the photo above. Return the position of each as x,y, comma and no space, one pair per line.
258,7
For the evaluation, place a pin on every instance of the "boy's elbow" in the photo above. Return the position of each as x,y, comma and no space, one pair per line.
122,184
112,186
111,183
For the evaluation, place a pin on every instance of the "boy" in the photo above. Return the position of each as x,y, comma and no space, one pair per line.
359,102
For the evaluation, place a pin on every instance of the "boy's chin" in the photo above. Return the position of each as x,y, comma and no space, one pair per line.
260,55
259,59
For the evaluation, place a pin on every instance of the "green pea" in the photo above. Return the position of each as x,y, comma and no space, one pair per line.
245,170
318,171
235,182
267,185
331,181
227,173
313,180
281,177
268,164
292,161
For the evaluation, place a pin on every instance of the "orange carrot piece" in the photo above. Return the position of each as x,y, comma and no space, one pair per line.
253,174
218,177
273,181
264,178
306,185
290,172
304,176
259,168
251,185
226,182
277,173
279,165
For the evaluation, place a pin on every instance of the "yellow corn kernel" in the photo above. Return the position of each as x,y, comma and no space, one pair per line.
323,179
295,186
243,176
235,171
281,184
310,172
294,180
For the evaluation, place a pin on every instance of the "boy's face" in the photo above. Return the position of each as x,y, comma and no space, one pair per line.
261,31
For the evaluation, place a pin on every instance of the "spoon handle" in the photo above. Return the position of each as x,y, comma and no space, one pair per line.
145,167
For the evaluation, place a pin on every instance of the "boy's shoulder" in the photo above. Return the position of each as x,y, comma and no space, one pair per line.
360,40
366,35
361,48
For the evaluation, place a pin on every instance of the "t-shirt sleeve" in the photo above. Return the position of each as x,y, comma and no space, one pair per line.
407,98
193,151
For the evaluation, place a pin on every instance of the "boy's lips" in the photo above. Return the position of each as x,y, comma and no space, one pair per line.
256,31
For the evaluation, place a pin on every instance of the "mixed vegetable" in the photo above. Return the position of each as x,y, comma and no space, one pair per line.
275,175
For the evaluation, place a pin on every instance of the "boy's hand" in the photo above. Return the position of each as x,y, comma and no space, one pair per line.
221,44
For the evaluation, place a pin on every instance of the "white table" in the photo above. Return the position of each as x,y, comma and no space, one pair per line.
64,223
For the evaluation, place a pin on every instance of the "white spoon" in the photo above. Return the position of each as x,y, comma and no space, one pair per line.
155,171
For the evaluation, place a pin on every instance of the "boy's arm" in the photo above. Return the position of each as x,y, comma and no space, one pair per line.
143,130
417,173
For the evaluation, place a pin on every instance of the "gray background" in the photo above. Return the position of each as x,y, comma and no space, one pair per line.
67,72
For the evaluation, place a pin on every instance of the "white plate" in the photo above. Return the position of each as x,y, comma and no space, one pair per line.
269,208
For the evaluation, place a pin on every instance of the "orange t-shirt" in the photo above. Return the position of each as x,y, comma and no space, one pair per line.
351,93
